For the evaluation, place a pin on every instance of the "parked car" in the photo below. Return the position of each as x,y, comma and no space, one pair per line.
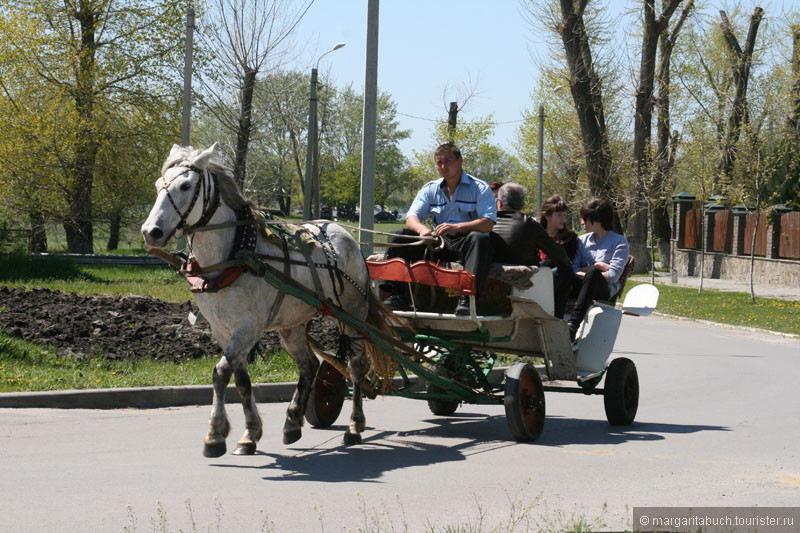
386,216
346,212
326,213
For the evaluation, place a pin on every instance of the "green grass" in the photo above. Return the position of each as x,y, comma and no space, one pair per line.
733,308
63,274
26,367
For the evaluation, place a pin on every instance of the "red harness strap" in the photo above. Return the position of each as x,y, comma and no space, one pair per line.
200,284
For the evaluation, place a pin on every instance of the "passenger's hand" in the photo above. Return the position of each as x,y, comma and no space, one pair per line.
602,267
424,231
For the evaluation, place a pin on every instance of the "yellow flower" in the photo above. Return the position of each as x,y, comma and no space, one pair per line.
97,381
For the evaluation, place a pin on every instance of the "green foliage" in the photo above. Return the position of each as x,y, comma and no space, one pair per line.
27,367
83,106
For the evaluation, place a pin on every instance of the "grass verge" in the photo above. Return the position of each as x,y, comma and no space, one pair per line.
26,367
734,308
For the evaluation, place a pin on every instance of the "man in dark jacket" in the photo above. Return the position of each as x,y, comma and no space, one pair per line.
517,238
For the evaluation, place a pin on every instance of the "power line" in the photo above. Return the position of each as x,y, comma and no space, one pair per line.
437,120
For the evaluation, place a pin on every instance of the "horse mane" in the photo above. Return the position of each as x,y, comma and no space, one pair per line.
228,189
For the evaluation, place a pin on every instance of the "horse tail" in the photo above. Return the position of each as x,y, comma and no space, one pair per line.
381,365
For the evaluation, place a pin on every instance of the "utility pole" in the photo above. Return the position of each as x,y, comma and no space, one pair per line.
308,193
368,141
541,151
187,79
452,117
180,244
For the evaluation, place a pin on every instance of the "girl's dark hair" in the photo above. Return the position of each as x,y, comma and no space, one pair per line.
551,205
598,210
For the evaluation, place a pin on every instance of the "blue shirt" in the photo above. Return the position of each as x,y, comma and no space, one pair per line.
611,249
472,200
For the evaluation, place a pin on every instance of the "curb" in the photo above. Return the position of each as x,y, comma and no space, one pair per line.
161,397
140,397
150,397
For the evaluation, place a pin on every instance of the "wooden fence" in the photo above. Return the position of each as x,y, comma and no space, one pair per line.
732,232
790,235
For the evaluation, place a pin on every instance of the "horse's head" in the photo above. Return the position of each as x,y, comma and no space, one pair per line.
184,180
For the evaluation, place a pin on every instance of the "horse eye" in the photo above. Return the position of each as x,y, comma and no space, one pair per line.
185,186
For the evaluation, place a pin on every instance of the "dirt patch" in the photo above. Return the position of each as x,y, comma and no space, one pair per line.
121,327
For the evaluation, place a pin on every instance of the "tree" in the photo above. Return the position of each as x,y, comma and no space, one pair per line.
653,27
666,139
91,60
586,88
341,150
245,37
742,61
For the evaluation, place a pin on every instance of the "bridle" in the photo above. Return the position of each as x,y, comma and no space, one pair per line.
210,190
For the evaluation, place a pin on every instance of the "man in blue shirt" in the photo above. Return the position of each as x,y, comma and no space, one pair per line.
463,211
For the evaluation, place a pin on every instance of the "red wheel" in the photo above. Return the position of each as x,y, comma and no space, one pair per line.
327,396
524,402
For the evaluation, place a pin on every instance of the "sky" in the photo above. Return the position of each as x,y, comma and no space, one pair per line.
431,51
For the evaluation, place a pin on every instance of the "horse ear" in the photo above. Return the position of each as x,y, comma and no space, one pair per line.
201,160
175,149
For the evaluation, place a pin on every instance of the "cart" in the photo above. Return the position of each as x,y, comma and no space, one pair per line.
454,357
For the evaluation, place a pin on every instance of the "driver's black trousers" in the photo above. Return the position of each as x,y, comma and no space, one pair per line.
473,250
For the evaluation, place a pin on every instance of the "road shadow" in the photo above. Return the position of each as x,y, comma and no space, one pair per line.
561,431
384,451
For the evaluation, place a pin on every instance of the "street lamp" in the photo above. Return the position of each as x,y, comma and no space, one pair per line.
311,196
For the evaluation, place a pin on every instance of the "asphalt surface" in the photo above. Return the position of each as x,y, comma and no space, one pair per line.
717,426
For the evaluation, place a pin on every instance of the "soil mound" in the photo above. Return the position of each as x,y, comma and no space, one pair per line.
121,327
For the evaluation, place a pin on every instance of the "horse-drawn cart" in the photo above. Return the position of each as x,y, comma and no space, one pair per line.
454,356
250,274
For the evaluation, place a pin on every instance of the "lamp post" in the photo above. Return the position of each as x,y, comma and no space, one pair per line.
311,196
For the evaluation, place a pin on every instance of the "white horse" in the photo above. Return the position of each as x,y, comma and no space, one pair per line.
240,312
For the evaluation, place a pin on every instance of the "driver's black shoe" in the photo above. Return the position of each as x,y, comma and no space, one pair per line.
397,302
462,308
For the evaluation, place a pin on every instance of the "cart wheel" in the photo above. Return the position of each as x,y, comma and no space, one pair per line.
440,407
327,396
621,392
524,402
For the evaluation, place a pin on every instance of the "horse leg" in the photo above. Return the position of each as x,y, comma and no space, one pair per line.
219,425
294,339
357,364
253,426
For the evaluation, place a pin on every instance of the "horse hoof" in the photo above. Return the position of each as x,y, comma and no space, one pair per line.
214,450
291,435
245,449
352,438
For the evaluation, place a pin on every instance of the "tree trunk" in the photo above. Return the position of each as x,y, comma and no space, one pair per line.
38,238
793,120
113,231
587,95
78,222
643,123
741,74
244,128
666,143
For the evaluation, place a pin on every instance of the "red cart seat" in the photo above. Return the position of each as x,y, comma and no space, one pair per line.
424,272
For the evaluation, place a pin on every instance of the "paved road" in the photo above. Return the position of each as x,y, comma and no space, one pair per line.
718,424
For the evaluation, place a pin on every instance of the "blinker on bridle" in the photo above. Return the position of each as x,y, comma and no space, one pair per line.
210,203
